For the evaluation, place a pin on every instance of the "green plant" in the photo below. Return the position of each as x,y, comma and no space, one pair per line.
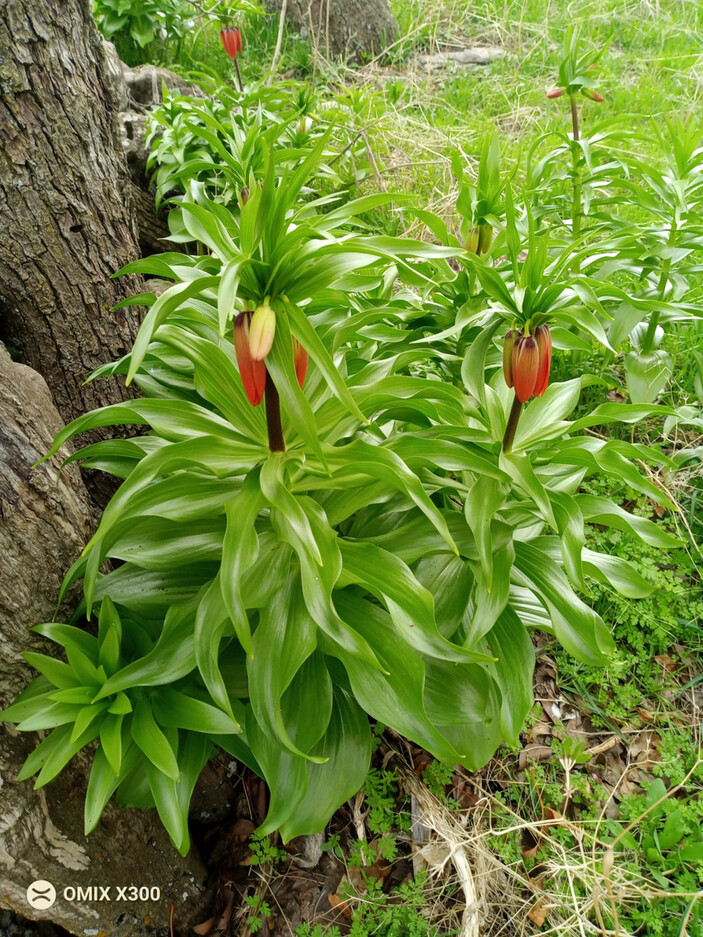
259,911
398,914
264,852
364,543
141,22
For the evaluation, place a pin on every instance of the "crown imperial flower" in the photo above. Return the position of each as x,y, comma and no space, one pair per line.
544,342
300,360
525,367
231,39
252,373
527,360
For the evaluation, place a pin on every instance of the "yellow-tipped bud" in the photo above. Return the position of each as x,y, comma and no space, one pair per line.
262,331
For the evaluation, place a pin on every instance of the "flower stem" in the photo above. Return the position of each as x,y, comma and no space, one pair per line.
511,428
239,76
273,416
648,343
576,205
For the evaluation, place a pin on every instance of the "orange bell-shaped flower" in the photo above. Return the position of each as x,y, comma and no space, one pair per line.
525,366
543,337
252,372
300,360
231,39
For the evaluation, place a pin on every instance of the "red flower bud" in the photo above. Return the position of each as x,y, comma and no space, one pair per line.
252,373
508,346
555,92
525,367
593,95
262,331
300,359
231,39
543,337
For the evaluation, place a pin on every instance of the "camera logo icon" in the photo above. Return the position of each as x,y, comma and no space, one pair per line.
41,894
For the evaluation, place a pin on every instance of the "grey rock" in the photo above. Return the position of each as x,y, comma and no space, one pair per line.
458,58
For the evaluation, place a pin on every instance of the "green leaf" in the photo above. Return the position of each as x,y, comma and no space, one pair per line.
579,629
303,330
473,367
618,573
109,636
485,498
172,657
152,741
395,698
181,711
101,786
520,469
409,604
598,510
50,716
111,740
342,757
468,716
211,621
60,674
283,641
239,551
33,699
380,462
164,306
647,374
544,419
509,642
61,753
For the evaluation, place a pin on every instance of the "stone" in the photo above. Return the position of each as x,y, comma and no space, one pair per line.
459,58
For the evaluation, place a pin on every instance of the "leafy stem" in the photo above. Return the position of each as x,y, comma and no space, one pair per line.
576,205
273,416
650,335
511,428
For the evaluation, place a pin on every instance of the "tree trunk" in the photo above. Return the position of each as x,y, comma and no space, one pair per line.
343,27
67,221
43,525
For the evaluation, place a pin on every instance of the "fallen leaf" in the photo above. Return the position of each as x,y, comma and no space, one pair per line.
666,661
205,927
538,912
534,753
339,905
604,746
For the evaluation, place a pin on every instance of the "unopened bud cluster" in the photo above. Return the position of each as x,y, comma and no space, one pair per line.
527,358
254,333
231,39
479,239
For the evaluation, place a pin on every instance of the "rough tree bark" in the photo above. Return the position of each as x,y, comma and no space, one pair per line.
67,221
43,526
348,27
66,225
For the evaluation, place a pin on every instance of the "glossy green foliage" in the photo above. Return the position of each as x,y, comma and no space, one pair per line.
389,563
